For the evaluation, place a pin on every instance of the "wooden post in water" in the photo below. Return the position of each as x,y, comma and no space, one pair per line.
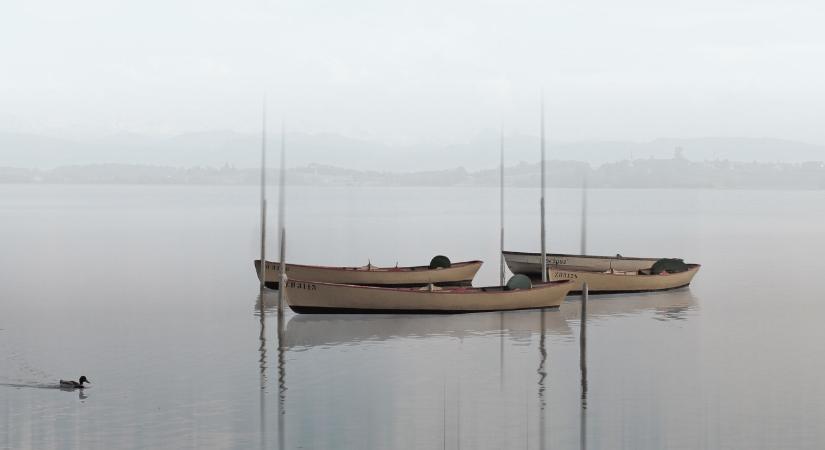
501,211
501,258
543,232
583,329
584,217
583,370
262,269
585,292
282,274
282,220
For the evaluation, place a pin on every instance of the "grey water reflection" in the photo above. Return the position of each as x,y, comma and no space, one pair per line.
81,392
261,312
542,375
665,306
267,304
447,359
281,380
306,331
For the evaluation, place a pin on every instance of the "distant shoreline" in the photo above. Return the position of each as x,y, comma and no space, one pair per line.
678,173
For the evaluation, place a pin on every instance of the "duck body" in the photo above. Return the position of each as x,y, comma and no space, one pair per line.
74,384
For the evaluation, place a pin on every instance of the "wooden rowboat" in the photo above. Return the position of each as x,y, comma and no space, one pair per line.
616,282
603,274
458,274
316,297
530,263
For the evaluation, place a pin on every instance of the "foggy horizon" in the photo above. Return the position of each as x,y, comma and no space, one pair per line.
242,150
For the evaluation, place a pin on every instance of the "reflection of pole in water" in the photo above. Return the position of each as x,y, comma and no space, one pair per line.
501,353
281,382
526,420
262,367
542,375
458,414
444,414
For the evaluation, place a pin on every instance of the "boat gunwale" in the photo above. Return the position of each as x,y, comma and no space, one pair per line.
335,310
457,290
569,255
456,265
691,267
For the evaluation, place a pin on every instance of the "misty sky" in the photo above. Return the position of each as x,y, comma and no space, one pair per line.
416,71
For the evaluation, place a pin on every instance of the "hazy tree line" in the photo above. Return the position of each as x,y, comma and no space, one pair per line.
676,172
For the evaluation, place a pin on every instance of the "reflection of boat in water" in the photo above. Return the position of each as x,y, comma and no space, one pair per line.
669,305
306,331
315,297
604,274
455,274
311,330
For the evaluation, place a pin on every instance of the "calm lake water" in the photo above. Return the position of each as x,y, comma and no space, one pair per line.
150,293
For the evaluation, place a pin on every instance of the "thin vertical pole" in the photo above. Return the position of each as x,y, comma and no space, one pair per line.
584,217
501,259
585,288
282,274
583,369
583,328
501,211
543,232
263,197
282,220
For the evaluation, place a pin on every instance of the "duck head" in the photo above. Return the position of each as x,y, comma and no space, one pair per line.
83,379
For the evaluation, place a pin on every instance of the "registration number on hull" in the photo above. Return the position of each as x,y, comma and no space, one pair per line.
301,285
275,267
564,275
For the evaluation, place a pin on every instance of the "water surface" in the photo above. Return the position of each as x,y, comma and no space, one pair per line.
150,292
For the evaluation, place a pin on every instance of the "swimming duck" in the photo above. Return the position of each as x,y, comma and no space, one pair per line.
74,384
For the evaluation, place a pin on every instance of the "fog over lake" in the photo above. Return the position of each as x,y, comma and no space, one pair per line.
131,138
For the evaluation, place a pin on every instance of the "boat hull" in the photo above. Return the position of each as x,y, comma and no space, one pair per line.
317,297
619,283
603,274
458,274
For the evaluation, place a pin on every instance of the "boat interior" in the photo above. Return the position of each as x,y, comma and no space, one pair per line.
611,271
371,268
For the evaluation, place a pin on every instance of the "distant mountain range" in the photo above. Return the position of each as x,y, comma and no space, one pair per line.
219,148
